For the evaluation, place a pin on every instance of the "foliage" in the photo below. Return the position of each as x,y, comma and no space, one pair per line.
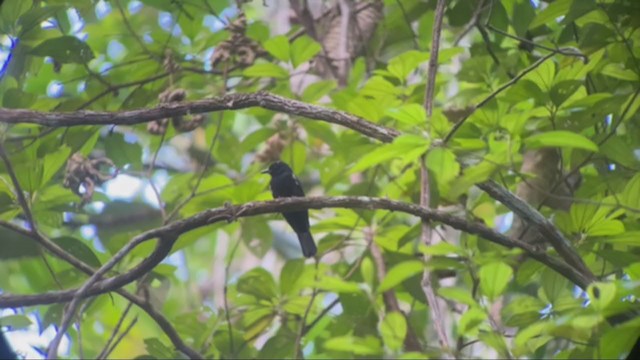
514,77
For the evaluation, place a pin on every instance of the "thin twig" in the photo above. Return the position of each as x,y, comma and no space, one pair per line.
105,350
207,160
22,200
472,23
435,310
416,45
495,93
297,350
134,34
121,336
391,300
226,299
561,51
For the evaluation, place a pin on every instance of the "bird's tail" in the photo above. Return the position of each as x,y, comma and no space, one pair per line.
308,245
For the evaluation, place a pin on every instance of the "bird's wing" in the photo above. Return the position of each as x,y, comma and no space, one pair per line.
297,188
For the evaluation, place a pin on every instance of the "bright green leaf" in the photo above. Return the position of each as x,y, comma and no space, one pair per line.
400,273
471,320
317,90
406,63
16,321
560,138
266,70
410,114
278,46
257,282
393,329
457,294
338,285
303,49
549,15
494,278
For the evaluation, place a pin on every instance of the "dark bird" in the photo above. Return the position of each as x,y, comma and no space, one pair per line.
5,349
285,184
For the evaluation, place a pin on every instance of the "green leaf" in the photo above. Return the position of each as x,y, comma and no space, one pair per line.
406,63
278,46
410,114
400,273
471,320
561,91
457,294
618,342
15,98
494,278
78,249
522,311
122,152
259,283
472,175
630,238
554,286
12,10
601,294
618,72
379,88
252,232
393,330
266,70
442,162
560,138
295,155
543,75
303,49
158,349
551,13
496,341
53,161
408,147
620,151
442,249
631,193
317,90
525,336
338,285
15,322
356,345
290,274
65,50
367,271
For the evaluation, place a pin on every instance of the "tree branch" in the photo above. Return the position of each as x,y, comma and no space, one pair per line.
435,304
162,322
227,213
552,234
228,102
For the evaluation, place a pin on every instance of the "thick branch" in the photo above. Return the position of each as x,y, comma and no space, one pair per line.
551,233
227,102
277,206
164,324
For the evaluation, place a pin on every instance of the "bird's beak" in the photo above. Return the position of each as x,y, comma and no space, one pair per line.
265,171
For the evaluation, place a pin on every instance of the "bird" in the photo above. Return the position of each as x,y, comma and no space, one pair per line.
285,184
5,348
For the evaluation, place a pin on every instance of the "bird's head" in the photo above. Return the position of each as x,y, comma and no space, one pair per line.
278,168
